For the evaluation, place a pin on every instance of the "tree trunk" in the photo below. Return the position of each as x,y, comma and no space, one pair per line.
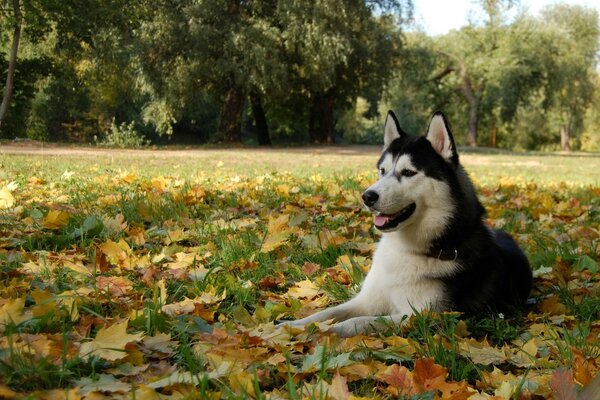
260,119
564,138
494,134
12,63
321,122
472,102
313,119
230,125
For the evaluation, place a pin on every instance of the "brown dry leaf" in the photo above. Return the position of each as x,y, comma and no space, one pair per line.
116,286
551,306
114,225
110,342
584,369
161,342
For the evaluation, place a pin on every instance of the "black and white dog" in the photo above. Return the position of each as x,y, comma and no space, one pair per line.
436,252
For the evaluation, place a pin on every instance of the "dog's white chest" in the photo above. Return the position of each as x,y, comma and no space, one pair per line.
400,281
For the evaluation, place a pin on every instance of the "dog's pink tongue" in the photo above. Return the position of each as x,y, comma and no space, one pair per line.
381,220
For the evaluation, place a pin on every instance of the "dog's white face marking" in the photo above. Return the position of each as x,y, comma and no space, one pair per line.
392,187
402,187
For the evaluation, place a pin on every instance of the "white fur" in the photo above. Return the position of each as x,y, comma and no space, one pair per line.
438,135
391,131
401,276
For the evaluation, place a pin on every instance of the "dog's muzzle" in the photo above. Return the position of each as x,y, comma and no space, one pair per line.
370,197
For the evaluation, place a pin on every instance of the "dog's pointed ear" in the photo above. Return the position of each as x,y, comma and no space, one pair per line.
441,139
392,129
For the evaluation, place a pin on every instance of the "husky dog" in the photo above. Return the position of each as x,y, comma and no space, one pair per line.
435,252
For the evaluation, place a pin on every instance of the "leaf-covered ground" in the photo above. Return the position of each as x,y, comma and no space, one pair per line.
149,278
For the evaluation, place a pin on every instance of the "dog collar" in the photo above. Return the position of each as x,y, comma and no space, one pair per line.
443,254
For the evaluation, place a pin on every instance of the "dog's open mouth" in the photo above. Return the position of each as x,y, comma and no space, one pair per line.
384,221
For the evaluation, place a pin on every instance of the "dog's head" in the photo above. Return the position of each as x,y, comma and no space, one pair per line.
415,176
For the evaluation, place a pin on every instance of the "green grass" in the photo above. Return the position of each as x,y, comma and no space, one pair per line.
486,167
209,210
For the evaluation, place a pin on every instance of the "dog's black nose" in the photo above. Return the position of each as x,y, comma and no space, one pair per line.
370,197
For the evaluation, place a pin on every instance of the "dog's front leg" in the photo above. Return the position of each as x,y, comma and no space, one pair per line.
338,313
361,325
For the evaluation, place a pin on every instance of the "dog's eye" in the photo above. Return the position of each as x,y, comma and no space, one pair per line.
408,173
381,171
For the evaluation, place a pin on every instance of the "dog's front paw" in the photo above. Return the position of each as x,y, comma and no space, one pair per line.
353,326
297,323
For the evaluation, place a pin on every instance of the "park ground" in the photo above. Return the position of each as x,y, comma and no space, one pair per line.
159,273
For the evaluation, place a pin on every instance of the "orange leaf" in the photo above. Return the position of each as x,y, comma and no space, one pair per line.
428,375
562,385
400,378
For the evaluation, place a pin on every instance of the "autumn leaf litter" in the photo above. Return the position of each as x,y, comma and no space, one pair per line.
171,287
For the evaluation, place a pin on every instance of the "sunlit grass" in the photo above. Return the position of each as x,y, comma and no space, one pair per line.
487,168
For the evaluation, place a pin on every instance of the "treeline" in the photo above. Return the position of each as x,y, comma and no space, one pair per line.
293,71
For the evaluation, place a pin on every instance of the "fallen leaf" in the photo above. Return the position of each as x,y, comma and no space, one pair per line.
400,379
56,219
481,352
338,389
110,342
562,385
6,198
12,311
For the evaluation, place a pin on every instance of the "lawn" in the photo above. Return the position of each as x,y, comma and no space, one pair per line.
160,273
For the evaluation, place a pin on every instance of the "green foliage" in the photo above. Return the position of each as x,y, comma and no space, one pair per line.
123,136
320,72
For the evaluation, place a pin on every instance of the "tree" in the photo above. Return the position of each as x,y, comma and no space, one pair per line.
12,63
570,82
338,49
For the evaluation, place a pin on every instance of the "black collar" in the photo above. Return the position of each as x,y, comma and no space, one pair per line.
443,254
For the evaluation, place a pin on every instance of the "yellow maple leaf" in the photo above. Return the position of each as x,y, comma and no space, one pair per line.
6,198
278,232
110,342
187,305
117,253
481,352
56,219
242,383
525,356
44,302
305,289
12,311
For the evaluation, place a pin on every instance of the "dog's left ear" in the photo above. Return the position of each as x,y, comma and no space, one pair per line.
441,139
392,129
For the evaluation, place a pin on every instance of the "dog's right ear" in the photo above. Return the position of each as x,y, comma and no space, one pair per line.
392,129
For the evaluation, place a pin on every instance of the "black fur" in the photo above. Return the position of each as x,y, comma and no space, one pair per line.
494,274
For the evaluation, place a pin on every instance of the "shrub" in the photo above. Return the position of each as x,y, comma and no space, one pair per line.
124,136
